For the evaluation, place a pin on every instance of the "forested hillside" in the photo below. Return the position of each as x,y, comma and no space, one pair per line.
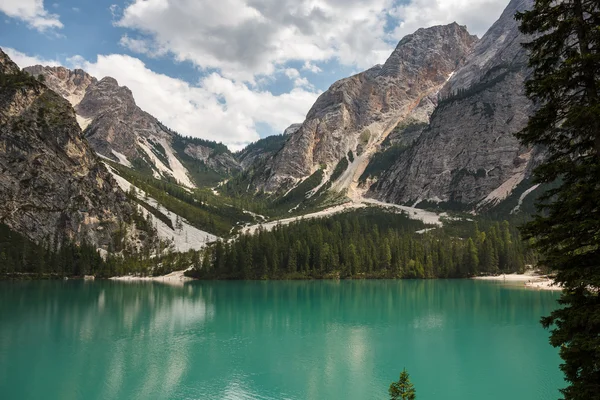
369,244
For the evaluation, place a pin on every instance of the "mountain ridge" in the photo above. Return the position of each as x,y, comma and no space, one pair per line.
52,186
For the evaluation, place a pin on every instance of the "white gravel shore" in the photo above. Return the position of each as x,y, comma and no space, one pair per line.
174,278
529,280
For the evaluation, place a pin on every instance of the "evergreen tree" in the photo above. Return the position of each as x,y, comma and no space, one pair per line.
471,258
565,58
403,389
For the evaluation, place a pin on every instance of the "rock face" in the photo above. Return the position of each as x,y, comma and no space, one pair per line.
51,183
356,114
223,162
468,154
71,85
264,149
119,130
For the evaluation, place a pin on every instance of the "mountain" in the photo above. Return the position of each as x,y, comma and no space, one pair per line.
52,185
119,130
468,156
71,85
349,122
264,148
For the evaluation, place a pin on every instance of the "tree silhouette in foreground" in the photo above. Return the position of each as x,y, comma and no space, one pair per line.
403,389
565,86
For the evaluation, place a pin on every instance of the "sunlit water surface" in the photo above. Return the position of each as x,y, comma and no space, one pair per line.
274,340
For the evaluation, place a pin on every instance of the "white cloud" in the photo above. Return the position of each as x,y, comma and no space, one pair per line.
478,15
294,75
247,38
32,12
23,60
217,108
308,66
140,46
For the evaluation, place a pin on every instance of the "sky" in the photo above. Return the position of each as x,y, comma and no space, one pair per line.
232,71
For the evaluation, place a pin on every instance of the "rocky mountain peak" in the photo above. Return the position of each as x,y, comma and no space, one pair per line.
468,156
103,96
428,46
69,84
356,114
7,66
52,185
118,129
500,47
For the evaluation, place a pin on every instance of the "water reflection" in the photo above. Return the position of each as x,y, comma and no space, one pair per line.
272,340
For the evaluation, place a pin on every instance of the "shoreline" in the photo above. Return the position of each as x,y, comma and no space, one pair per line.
173,278
529,280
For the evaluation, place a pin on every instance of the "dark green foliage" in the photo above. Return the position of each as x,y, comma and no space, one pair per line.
403,389
368,243
20,257
340,168
19,80
143,164
159,151
565,58
382,162
299,193
153,210
492,78
201,174
201,208
180,142
269,144
351,156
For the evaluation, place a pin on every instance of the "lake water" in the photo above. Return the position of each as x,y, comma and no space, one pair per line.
274,340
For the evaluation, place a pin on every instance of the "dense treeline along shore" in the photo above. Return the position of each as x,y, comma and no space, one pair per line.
23,259
369,243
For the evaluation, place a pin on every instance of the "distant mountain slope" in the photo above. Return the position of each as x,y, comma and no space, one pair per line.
52,186
468,156
119,130
356,114
265,147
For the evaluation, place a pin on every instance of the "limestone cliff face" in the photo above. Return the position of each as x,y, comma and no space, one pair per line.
51,183
356,114
117,124
71,85
468,154
119,130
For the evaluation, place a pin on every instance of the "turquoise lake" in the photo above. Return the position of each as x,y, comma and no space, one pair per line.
274,340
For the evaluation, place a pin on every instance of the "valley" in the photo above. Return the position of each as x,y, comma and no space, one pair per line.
308,199
383,139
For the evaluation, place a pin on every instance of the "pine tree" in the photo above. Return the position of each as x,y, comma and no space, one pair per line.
472,258
565,58
403,389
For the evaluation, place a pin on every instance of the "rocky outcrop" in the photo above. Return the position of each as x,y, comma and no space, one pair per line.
117,123
265,148
71,85
468,155
356,114
117,129
220,161
52,185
